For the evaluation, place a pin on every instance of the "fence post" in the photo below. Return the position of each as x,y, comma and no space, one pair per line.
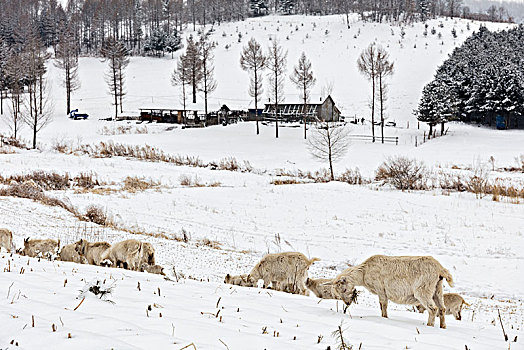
396,140
408,125
416,141
424,136
418,126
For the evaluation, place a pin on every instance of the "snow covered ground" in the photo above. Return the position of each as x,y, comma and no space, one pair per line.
480,241
148,312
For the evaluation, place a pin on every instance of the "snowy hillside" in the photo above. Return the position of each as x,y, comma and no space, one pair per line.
205,223
145,311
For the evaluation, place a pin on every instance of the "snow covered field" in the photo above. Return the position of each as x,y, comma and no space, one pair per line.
210,315
480,241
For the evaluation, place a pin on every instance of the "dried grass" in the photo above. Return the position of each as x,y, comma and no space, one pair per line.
30,190
97,215
135,184
352,177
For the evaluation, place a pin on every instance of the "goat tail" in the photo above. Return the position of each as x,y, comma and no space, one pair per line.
445,274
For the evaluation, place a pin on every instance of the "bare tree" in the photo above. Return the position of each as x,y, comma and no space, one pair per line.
304,80
14,72
4,56
67,60
367,65
253,60
180,77
117,55
193,63
38,115
38,111
276,62
384,68
329,142
209,83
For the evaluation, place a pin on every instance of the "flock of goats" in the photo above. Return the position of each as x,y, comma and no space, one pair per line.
412,280
129,254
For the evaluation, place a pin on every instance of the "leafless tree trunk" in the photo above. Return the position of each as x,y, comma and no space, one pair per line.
384,69
329,142
208,69
117,55
276,62
253,60
303,79
180,78
367,65
67,61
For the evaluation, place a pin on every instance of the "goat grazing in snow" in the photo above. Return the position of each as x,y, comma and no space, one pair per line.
95,253
6,239
131,254
285,271
238,280
320,287
401,279
45,247
69,253
453,303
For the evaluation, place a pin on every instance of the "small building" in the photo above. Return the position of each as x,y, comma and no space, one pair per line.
321,111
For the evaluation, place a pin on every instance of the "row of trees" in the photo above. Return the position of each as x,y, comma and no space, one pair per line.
374,63
254,61
23,82
154,26
482,78
23,78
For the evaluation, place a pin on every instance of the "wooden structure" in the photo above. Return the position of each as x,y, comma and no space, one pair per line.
176,116
322,111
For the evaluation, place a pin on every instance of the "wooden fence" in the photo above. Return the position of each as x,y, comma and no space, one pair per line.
387,139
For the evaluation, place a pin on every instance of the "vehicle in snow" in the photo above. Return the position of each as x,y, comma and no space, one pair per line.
75,115
501,122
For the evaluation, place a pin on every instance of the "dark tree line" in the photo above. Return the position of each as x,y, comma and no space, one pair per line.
154,26
482,79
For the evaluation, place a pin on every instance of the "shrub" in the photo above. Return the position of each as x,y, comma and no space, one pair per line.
402,173
351,176
46,181
288,181
85,180
478,181
229,163
452,182
11,141
61,145
97,215
134,184
30,190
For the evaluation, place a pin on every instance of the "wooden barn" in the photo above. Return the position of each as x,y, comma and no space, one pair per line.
193,115
321,111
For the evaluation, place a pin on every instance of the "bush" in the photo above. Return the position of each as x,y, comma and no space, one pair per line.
30,190
402,173
85,180
46,181
134,184
11,141
351,176
229,163
478,181
97,215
